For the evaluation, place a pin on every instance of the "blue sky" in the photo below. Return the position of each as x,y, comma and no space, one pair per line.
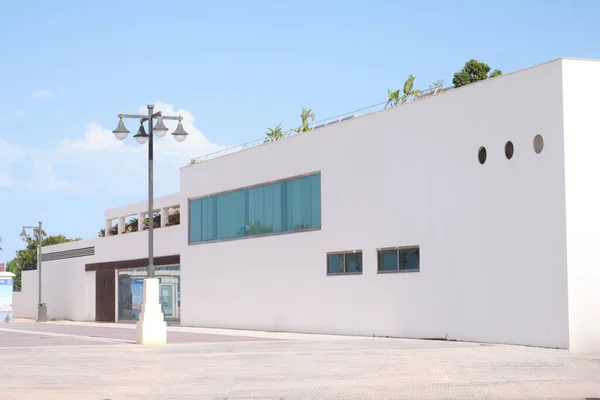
233,68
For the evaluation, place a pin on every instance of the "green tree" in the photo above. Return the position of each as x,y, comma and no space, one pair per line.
12,266
27,259
274,134
473,71
102,233
1,242
495,73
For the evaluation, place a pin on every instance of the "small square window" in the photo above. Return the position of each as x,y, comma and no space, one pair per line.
335,263
409,259
353,262
387,260
344,263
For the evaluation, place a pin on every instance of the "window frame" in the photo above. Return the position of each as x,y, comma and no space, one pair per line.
343,253
288,178
398,249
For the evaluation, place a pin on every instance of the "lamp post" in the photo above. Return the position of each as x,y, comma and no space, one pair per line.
151,327
42,310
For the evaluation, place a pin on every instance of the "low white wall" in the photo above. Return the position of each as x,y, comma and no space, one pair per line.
69,291
25,301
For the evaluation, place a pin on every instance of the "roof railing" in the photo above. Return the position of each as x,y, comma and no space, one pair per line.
314,125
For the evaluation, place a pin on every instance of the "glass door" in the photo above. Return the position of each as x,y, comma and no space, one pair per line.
167,299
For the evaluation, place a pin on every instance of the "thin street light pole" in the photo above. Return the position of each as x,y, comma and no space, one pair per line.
150,195
42,310
39,264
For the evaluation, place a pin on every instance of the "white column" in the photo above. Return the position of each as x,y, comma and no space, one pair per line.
107,226
141,217
151,327
121,225
164,216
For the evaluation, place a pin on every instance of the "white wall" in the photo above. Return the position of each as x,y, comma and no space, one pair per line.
70,291
492,237
25,301
582,141
142,207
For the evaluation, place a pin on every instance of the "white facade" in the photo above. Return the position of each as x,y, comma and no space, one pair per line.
506,252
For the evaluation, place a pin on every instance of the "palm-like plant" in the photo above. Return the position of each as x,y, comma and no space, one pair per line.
393,98
101,233
306,116
114,230
274,134
155,221
132,225
408,90
1,242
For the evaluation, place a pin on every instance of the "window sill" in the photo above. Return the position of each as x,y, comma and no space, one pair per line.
344,273
399,271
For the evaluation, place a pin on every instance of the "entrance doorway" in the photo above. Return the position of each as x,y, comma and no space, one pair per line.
167,300
105,295
130,292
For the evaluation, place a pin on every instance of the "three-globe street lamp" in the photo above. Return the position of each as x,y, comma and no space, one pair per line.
150,329
42,315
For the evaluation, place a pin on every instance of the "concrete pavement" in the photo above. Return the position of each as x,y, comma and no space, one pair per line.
92,361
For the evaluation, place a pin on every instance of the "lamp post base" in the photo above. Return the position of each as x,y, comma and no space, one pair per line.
151,327
42,315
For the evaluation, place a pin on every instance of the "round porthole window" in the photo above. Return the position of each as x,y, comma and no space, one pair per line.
482,155
509,149
538,144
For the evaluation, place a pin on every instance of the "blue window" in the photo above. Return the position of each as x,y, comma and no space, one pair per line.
287,206
387,260
335,263
398,259
344,263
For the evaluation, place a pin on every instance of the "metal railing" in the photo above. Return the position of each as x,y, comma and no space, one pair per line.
314,125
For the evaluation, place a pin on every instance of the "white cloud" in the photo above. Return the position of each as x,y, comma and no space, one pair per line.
195,145
12,115
42,94
45,177
9,154
96,138
100,139
97,163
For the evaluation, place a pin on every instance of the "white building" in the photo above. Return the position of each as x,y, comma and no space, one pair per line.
431,242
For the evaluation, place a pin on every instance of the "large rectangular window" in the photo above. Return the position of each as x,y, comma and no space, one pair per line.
398,259
287,206
344,263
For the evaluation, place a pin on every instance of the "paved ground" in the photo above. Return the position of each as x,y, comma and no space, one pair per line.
90,361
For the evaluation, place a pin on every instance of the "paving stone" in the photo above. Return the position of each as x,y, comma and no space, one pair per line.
291,369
